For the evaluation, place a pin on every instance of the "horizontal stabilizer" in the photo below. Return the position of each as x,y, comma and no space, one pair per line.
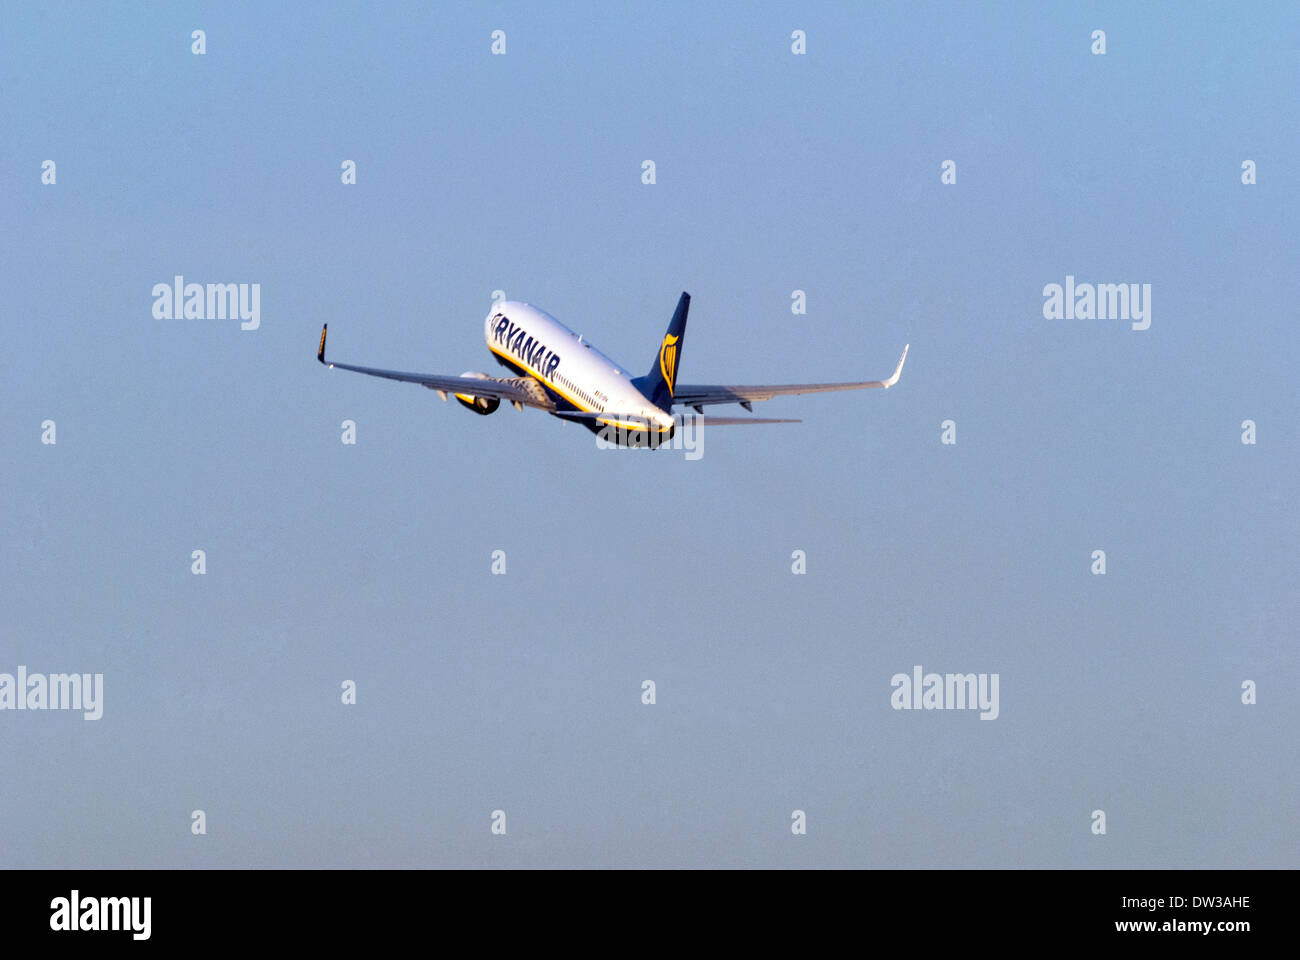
638,420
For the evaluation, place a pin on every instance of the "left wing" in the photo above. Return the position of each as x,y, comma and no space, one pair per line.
515,390
693,395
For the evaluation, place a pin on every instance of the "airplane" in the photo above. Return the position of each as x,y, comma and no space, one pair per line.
562,373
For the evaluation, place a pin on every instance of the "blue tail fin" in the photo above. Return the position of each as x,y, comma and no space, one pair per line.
659,383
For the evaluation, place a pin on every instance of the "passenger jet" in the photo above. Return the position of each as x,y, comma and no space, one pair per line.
560,372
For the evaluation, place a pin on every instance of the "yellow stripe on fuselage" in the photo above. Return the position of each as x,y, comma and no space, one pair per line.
612,421
537,376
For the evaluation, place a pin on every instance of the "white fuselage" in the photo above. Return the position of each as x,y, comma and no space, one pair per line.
576,375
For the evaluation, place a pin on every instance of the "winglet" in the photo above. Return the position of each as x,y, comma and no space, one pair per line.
320,354
898,370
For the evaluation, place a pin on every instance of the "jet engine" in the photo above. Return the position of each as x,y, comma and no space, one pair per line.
480,405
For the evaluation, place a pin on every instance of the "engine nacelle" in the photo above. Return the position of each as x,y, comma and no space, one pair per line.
480,405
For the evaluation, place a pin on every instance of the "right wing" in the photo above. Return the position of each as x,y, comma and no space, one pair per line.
515,390
696,395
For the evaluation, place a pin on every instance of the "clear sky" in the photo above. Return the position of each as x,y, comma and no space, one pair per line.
522,692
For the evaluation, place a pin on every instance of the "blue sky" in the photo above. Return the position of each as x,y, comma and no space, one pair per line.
371,562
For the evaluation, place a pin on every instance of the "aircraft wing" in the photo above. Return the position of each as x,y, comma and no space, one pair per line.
513,390
696,395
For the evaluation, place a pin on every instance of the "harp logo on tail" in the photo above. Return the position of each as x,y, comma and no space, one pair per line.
668,360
